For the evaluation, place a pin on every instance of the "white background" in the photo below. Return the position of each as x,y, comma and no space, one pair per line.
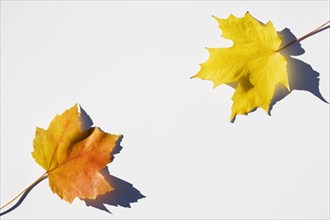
128,64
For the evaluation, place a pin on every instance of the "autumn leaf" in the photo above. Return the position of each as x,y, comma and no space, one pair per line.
75,157
72,159
254,63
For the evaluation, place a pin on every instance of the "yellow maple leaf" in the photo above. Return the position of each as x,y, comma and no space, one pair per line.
253,63
72,159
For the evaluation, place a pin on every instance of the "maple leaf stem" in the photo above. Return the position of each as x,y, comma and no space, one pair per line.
305,36
23,191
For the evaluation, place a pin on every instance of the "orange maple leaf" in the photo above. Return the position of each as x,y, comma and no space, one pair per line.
72,159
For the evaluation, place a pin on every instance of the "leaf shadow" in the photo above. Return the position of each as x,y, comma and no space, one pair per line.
124,193
301,75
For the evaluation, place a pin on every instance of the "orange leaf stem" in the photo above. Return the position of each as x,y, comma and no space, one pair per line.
303,37
23,191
